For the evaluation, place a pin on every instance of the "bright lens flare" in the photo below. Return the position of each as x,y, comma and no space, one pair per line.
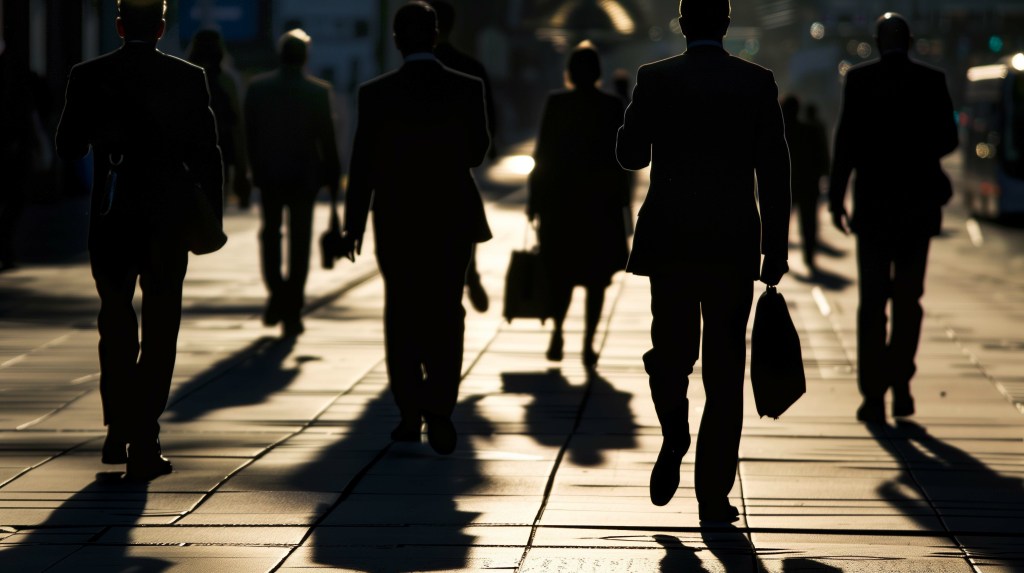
1018,62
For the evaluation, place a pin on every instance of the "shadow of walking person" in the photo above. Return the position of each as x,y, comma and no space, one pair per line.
264,373
400,507
960,496
95,526
678,557
596,415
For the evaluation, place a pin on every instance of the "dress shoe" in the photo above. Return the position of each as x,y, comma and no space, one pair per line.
114,447
477,294
441,434
589,357
407,431
272,314
293,326
871,412
902,404
146,462
718,513
665,475
554,352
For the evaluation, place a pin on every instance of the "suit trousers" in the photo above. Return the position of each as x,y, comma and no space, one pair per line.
679,299
889,267
424,325
299,203
806,202
135,376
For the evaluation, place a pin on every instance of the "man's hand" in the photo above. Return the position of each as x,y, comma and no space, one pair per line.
841,220
350,246
772,269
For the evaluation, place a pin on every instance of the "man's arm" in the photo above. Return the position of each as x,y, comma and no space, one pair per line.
360,183
479,136
843,157
328,144
633,143
203,154
773,185
72,137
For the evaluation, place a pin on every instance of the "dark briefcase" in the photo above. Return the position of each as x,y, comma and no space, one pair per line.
526,293
332,244
776,364
204,228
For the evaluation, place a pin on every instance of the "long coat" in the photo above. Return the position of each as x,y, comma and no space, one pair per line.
578,189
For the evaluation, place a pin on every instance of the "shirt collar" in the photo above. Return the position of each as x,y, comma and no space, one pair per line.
699,43
421,57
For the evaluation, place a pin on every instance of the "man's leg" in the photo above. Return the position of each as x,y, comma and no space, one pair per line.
441,335
118,350
300,231
911,260
725,305
808,206
402,316
675,340
477,294
874,268
271,207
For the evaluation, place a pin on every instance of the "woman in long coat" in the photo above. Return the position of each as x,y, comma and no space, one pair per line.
580,195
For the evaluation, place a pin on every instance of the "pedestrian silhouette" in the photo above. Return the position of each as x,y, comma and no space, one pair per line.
808,156
452,58
290,129
420,130
19,125
579,194
710,126
207,50
147,119
895,126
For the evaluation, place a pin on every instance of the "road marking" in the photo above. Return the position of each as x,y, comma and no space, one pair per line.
87,378
821,300
974,232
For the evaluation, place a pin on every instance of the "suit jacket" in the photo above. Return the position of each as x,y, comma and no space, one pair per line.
896,123
420,130
710,126
290,131
153,109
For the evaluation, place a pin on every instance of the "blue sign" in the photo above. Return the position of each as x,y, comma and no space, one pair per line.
236,20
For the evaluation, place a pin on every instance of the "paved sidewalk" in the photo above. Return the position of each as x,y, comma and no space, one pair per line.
283,462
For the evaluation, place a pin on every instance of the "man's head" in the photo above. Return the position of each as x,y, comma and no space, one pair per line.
790,107
584,67
206,49
415,28
293,47
892,33
141,20
704,19
445,17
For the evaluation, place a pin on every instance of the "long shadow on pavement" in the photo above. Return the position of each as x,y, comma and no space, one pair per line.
91,530
397,509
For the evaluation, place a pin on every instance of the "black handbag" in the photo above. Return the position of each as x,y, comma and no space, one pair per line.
526,286
332,244
776,363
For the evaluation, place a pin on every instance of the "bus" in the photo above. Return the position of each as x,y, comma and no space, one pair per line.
992,140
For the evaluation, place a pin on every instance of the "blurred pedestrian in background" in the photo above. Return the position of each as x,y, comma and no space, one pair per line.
808,158
290,129
19,125
709,125
419,132
207,50
452,58
147,119
578,194
896,124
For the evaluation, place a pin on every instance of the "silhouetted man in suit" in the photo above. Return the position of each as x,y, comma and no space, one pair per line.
290,131
147,118
709,125
420,130
895,126
452,58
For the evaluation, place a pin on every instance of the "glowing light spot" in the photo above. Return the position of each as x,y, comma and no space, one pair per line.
518,164
620,18
984,150
844,67
817,30
864,50
993,72
1018,62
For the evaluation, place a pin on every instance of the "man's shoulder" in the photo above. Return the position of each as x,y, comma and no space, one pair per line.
672,65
